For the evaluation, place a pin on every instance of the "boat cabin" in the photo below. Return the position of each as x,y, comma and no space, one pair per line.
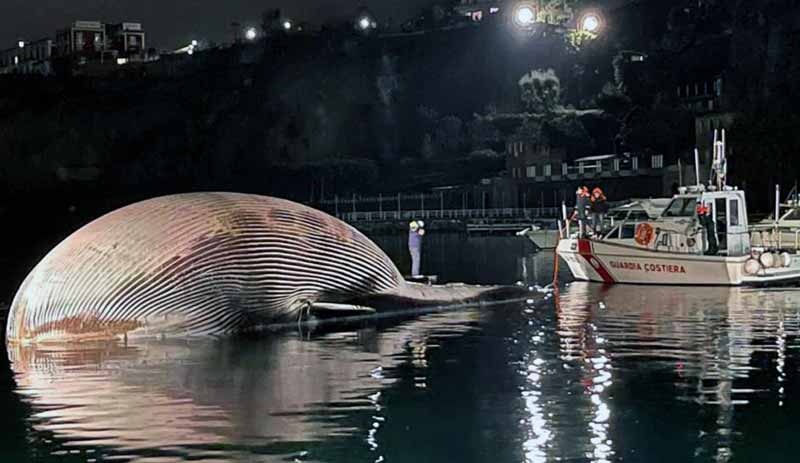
679,229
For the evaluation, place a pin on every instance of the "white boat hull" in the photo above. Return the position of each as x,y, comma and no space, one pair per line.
605,262
543,239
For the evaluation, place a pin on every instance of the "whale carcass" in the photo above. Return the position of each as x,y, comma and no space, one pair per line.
206,264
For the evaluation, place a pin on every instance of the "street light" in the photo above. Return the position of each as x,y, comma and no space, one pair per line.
525,15
21,44
287,25
251,33
591,22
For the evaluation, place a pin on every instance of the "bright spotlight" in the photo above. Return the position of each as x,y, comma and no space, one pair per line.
287,25
525,15
590,23
194,43
21,44
364,23
250,33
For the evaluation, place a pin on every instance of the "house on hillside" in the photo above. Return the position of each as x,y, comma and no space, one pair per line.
545,165
27,58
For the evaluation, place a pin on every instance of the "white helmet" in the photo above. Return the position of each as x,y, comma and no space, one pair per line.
413,225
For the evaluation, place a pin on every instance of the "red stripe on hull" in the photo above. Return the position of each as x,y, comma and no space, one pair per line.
585,250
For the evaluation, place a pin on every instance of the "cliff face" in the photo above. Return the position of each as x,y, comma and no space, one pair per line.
266,118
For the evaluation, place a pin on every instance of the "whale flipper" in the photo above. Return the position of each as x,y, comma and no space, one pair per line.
333,307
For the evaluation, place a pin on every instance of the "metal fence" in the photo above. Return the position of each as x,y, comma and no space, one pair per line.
450,214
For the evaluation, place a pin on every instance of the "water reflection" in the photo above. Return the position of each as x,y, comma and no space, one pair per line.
225,400
713,341
591,373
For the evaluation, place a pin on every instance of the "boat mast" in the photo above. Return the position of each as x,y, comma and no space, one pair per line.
719,166
697,167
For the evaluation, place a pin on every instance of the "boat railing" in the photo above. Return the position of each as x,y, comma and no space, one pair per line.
771,236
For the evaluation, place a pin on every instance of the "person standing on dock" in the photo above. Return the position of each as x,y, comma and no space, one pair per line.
416,230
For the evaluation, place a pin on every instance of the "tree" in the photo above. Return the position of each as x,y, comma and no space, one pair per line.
450,135
482,133
762,147
540,90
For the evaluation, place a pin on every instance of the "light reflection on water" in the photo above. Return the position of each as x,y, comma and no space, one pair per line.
221,399
591,373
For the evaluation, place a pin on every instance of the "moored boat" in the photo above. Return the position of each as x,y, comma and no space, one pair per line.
781,233
682,247
630,214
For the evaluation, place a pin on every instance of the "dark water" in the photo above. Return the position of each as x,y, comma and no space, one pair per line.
591,373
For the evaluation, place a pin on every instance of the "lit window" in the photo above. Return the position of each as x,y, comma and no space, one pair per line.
531,171
548,170
657,161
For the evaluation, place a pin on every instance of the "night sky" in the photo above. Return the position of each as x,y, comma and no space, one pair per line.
170,23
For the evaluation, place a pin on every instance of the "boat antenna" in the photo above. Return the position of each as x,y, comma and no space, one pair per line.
713,159
697,167
719,167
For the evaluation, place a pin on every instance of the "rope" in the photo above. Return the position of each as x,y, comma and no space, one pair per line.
556,262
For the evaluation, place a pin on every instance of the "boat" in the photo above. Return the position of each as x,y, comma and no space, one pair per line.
784,233
672,249
542,235
638,210
546,236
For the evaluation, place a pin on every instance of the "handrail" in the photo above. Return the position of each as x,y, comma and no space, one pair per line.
450,214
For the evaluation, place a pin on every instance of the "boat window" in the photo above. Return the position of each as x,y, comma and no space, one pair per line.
734,212
628,231
794,214
681,207
638,215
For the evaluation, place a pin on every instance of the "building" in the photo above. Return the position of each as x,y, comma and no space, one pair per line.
127,40
95,48
27,58
701,88
542,172
83,39
544,11
620,176
477,10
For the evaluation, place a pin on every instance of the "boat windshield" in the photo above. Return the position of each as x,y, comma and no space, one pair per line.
681,207
793,214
